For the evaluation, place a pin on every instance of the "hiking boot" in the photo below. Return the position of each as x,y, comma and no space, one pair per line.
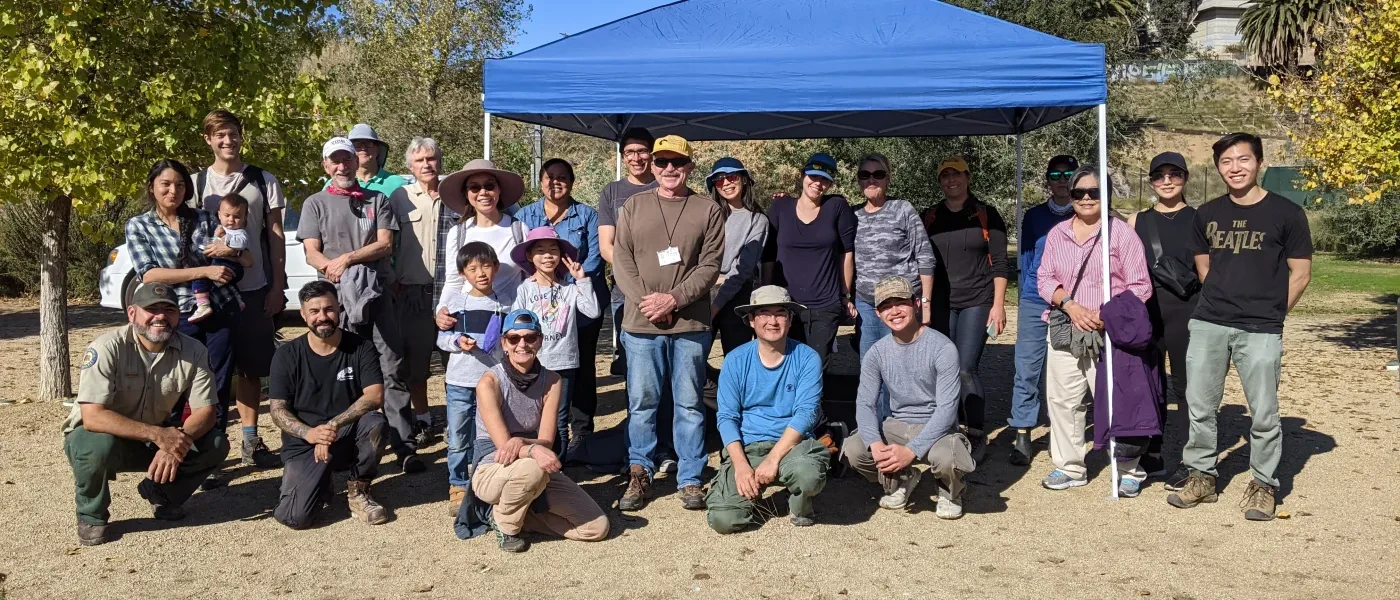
161,508
1176,480
511,543
979,445
949,509
802,521
693,497
422,438
1258,501
637,485
201,313
1021,451
410,463
1060,480
456,495
1154,466
1199,488
899,498
92,535
362,504
256,454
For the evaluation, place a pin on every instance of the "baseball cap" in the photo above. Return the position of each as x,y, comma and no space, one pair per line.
1169,159
671,143
521,319
1062,159
148,295
953,162
337,144
892,287
821,164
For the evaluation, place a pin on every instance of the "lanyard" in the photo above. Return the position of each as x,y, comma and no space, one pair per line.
671,229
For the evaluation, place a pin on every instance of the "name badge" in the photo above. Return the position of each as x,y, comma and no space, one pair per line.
669,256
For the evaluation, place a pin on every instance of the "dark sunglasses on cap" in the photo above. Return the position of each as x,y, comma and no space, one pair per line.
677,162
489,186
820,167
516,338
1059,175
1080,193
876,175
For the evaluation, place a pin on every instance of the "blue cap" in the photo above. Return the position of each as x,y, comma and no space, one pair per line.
521,319
724,166
821,165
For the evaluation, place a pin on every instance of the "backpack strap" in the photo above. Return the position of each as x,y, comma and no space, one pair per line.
197,201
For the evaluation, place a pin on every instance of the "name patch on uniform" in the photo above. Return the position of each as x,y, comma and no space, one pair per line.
89,358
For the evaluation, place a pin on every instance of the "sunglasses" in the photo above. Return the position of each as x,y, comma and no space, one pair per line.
514,339
677,162
876,175
477,187
1059,175
1080,193
1161,175
725,178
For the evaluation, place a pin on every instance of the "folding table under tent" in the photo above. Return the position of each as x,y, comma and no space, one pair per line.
786,69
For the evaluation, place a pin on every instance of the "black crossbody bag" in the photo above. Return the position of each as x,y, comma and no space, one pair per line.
1168,271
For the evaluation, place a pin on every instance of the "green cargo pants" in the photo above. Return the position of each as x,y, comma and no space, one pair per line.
96,459
802,471
1258,358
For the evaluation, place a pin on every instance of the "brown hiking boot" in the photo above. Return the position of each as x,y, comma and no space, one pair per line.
1258,501
1199,488
638,482
92,535
362,505
693,497
455,496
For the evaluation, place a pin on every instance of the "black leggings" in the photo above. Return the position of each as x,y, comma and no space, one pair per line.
1170,317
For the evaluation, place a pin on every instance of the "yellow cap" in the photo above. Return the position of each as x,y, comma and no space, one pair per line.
953,162
671,143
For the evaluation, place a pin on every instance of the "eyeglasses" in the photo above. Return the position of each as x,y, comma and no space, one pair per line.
876,175
636,153
782,315
1161,175
725,178
476,188
1059,175
677,162
515,339
1080,193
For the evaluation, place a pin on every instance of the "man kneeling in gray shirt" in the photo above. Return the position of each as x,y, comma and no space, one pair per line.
919,368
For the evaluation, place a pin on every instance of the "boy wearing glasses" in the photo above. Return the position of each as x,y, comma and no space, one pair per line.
1030,329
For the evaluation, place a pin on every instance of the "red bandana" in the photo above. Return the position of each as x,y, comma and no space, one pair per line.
355,193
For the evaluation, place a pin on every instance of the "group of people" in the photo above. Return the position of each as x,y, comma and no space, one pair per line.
512,298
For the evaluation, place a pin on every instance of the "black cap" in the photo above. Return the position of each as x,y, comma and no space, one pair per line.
148,295
1063,159
1169,158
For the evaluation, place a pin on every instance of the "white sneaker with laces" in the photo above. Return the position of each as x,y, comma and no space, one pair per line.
899,498
201,313
949,509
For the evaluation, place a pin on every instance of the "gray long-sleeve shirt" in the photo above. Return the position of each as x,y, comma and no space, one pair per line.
745,232
891,241
923,385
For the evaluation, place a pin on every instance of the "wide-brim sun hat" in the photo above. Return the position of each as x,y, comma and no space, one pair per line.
520,254
454,193
768,296
724,166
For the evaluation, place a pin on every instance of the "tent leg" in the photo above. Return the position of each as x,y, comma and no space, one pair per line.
1020,195
1104,219
617,176
486,137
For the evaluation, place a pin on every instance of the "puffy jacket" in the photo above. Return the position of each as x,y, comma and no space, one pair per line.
1137,380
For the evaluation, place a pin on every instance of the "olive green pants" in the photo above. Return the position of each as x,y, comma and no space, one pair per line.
96,459
802,471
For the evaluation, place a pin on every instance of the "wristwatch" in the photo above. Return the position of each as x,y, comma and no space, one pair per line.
924,301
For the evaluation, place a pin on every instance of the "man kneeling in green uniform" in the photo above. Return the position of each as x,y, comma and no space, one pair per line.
769,395
134,386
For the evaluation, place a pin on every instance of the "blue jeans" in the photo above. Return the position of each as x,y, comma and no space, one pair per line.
1030,365
967,327
678,358
872,330
216,333
461,434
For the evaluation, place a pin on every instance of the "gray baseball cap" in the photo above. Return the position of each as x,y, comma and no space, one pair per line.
148,295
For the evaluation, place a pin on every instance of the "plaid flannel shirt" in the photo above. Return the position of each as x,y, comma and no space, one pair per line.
153,245
447,218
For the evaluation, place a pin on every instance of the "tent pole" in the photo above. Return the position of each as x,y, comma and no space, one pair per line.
1106,216
617,176
1020,193
486,137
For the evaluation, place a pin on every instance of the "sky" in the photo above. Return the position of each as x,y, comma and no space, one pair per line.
550,18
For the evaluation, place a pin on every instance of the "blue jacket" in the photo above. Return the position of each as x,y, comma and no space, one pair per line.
1137,380
1035,224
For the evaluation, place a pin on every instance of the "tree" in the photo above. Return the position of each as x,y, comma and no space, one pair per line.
1345,116
415,66
1278,32
96,91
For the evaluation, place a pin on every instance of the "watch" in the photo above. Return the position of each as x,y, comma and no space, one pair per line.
924,301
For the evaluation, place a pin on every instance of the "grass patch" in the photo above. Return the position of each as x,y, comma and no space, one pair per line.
1350,287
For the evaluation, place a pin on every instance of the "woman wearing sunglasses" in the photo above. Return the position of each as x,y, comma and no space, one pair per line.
481,193
815,237
890,240
745,233
1070,280
517,473
1165,230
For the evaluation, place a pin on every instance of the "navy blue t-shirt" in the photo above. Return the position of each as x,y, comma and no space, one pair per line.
812,254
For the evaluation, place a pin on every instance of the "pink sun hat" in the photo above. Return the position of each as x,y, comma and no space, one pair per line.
520,253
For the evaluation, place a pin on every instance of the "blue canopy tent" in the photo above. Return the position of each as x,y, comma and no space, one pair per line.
776,69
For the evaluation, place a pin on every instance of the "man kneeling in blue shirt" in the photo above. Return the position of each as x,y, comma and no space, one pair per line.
769,393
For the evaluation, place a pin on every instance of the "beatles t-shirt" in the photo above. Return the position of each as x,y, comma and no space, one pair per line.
1249,246
317,388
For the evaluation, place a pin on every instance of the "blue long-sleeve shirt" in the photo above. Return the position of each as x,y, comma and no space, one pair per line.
1035,224
758,404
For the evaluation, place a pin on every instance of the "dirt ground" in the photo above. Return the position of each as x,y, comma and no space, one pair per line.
1341,421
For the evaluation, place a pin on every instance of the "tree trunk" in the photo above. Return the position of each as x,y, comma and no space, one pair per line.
54,379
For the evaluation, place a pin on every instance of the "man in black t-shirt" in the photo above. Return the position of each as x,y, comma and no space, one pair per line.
324,393
1254,255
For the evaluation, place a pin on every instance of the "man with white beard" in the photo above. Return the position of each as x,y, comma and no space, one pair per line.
145,401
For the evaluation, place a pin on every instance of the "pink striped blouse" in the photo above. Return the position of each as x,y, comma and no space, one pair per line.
1063,254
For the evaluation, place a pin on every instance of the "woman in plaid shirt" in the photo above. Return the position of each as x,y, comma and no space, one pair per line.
175,244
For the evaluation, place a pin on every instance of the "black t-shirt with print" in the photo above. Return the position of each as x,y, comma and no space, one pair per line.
1249,246
317,388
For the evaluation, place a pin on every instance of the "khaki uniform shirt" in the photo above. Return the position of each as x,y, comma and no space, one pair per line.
117,372
415,258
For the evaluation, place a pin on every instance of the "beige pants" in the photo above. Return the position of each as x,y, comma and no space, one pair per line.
511,490
1069,387
949,459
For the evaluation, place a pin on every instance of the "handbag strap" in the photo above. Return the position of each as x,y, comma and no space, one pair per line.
1080,277
1154,236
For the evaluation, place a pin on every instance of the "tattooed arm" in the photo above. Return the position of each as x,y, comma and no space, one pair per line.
285,420
371,400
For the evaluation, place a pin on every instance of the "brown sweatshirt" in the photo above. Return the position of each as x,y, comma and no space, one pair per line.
696,227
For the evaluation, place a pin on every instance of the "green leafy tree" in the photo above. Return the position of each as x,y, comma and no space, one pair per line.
1278,32
96,91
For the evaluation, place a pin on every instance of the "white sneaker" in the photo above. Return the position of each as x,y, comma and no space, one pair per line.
949,509
201,313
667,466
899,498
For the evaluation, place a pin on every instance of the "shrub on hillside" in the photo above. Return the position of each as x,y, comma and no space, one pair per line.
1360,230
